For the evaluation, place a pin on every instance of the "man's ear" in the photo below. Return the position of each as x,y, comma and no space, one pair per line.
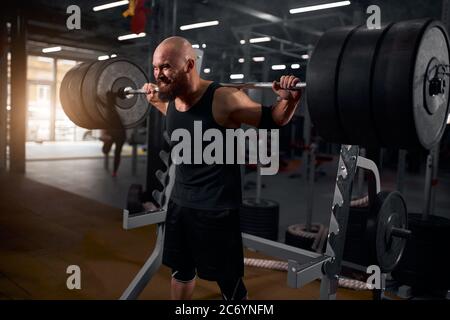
190,65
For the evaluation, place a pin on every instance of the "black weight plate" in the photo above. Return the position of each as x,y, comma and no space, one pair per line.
388,210
430,112
66,100
322,77
260,219
401,116
114,74
355,85
75,96
92,99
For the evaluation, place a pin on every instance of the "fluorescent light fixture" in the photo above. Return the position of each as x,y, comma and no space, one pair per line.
259,59
295,66
110,5
257,40
113,55
199,25
51,49
320,7
241,60
305,56
103,57
278,67
236,76
195,46
131,36
203,45
207,70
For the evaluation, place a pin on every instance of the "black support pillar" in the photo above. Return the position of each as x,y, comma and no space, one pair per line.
18,92
3,91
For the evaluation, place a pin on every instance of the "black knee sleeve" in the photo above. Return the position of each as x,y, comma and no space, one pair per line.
184,275
233,289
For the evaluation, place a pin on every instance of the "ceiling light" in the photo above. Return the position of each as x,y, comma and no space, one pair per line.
256,40
131,36
51,49
320,7
236,76
278,67
110,5
199,25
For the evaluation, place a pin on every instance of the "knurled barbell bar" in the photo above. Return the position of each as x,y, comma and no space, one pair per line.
128,92
384,87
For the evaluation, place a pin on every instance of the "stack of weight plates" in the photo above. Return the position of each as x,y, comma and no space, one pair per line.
260,218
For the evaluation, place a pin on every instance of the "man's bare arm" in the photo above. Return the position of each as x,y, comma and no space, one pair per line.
240,108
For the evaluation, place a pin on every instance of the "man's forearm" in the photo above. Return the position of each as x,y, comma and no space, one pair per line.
283,111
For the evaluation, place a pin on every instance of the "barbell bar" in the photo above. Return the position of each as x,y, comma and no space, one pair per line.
128,92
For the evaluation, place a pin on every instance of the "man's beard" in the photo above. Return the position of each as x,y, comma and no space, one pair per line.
177,86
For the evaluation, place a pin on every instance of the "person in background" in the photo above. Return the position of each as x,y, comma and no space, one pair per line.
110,137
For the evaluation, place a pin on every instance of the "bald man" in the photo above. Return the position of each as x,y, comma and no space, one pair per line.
202,230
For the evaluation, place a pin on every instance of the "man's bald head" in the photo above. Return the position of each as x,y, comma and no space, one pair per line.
174,66
177,49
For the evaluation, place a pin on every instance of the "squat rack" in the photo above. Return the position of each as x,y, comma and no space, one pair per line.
303,266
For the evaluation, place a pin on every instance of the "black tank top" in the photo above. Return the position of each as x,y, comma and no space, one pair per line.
203,186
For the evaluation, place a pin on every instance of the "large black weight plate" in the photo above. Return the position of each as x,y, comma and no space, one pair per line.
354,86
322,78
104,112
388,210
402,117
114,75
430,111
66,99
72,101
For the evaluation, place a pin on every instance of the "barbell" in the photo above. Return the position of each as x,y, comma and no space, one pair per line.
384,87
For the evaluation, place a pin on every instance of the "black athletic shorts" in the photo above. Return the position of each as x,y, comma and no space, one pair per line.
208,241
